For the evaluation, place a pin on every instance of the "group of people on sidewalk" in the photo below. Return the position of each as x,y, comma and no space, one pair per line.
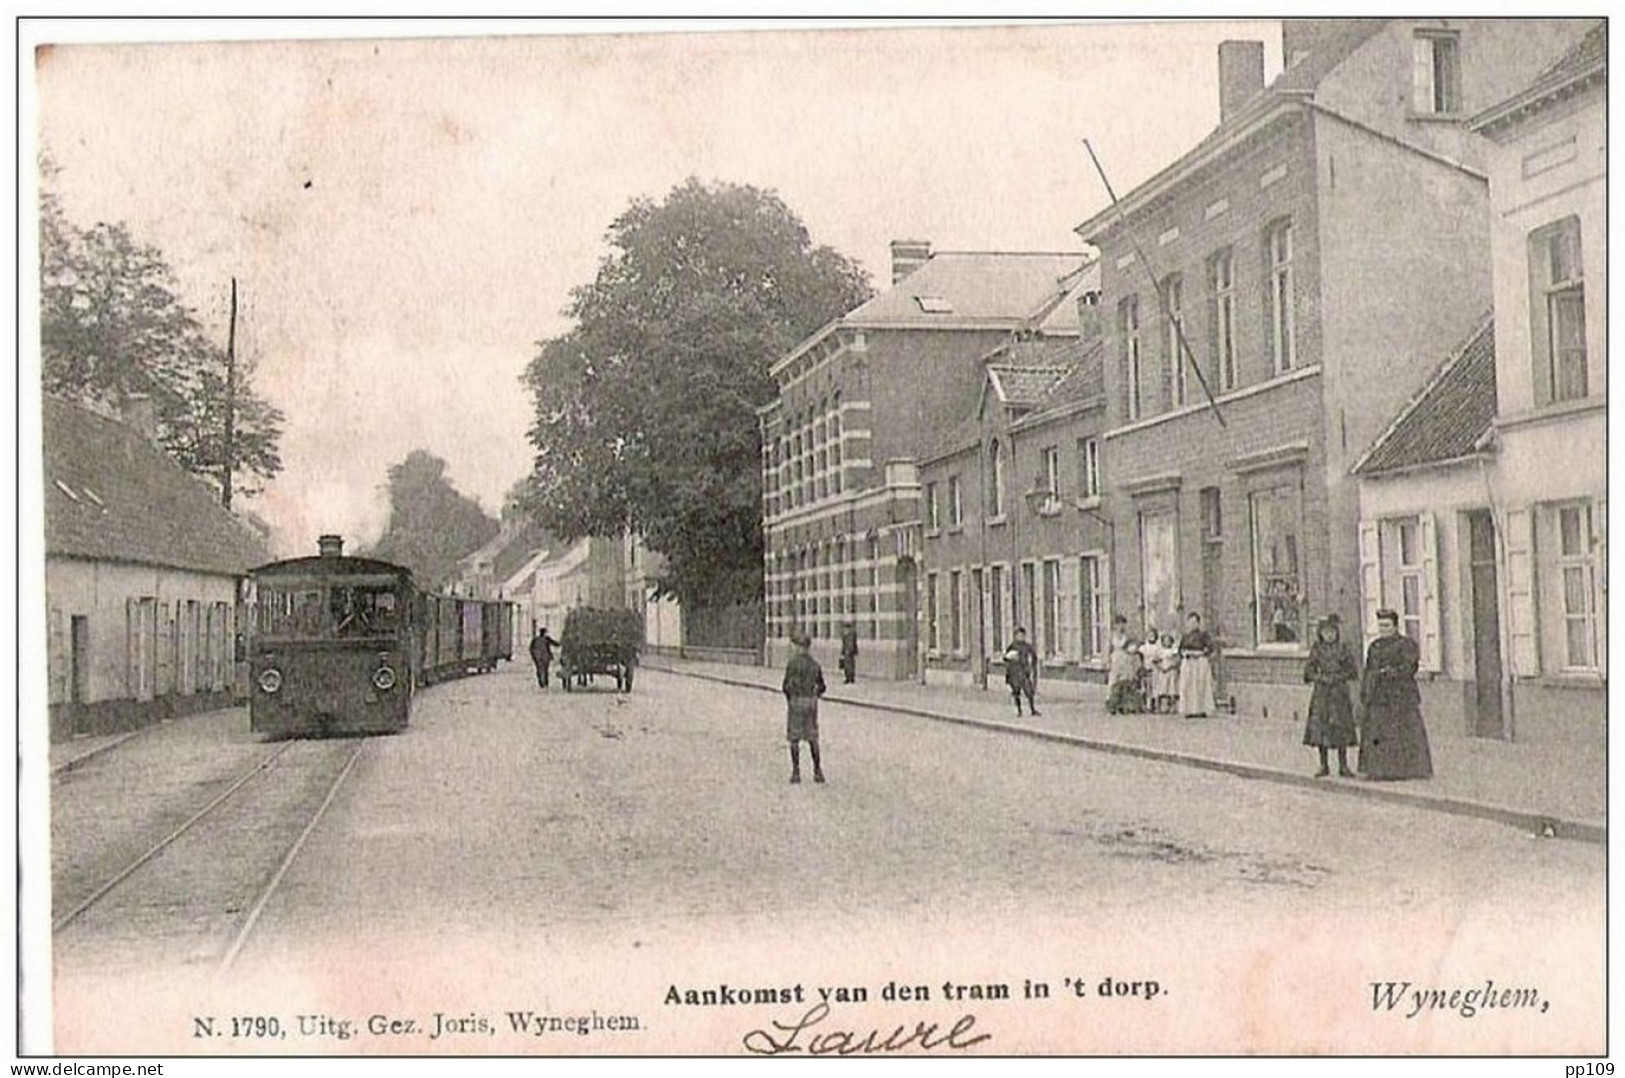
1158,676
1153,676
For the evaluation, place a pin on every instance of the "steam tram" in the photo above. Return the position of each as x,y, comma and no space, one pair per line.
341,645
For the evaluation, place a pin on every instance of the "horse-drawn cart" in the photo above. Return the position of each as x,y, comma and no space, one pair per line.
599,642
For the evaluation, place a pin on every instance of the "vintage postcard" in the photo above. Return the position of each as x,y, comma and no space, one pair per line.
791,538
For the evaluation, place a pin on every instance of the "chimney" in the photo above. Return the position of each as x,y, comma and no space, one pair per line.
330,546
1241,75
140,411
908,256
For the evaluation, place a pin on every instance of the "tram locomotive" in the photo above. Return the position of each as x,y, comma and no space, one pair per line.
341,644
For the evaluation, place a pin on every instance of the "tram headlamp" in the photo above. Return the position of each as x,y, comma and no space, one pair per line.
383,679
270,680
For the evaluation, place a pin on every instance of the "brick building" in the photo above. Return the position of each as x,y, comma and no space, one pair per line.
858,403
143,577
1319,250
1013,523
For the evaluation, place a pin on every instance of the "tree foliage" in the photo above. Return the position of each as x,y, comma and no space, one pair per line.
431,526
111,326
646,409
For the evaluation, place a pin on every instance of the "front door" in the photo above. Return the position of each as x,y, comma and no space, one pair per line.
1487,719
908,660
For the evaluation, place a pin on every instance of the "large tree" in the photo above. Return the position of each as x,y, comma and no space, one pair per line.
646,409
111,326
431,525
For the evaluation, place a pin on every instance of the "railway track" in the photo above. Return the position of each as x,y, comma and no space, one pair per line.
196,895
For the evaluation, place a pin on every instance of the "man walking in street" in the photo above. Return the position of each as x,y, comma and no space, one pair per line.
1021,671
803,685
541,653
849,652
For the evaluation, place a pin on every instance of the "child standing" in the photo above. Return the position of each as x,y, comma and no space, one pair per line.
1330,669
1167,679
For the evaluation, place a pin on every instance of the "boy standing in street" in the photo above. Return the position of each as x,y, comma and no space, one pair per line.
803,685
1021,671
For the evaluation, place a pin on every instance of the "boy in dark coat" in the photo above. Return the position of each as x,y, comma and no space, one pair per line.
803,685
1021,671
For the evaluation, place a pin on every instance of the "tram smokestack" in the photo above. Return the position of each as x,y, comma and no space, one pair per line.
330,546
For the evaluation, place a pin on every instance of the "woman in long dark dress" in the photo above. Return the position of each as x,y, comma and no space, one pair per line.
1393,741
1331,714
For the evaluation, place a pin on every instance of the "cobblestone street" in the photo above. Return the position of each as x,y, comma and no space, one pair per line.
592,850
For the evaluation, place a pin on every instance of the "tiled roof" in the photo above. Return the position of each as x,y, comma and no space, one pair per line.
1588,57
972,287
1023,386
1087,379
963,435
1446,419
112,495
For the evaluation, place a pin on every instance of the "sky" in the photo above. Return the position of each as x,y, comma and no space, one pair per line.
406,215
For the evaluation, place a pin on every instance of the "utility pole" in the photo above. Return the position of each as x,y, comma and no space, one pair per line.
231,399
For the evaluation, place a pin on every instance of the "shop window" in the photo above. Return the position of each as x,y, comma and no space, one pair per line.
1278,566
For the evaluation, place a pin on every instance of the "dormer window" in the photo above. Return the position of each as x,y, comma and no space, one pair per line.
934,305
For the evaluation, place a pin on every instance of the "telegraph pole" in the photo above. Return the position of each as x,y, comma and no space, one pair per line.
231,399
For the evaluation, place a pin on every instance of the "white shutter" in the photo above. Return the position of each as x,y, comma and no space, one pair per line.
1071,648
1599,532
1432,631
1007,603
1370,579
1520,586
57,658
1106,592
166,650
985,611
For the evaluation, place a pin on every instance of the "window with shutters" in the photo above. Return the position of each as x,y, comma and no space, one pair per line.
1088,468
930,514
1173,299
1050,644
931,611
1094,606
1558,312
1222,285
956,607
956,506
1400,572
1280,298
995,480
1071,646
1128,326
1402,583
1028,618
996,606
1574,584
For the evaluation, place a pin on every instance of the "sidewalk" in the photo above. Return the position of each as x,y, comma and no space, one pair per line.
1559,790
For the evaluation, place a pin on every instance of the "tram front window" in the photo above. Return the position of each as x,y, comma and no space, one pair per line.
363,611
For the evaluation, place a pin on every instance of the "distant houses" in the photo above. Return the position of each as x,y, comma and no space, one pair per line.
144,574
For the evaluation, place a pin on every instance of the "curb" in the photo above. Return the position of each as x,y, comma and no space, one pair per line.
1534,822
90,754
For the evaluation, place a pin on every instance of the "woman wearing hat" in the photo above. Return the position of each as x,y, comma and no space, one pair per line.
1393,741
1331,712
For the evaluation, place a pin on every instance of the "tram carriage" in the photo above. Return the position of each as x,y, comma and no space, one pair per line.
341,644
